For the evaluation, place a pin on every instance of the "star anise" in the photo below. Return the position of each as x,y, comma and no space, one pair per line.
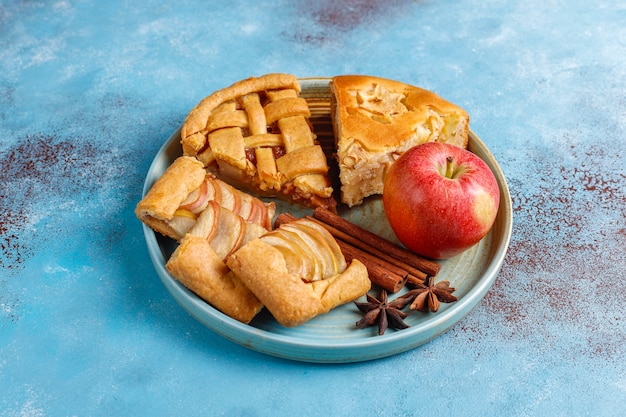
385,313
428,296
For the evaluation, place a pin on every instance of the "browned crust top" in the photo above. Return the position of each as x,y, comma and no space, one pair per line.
197,118
376,136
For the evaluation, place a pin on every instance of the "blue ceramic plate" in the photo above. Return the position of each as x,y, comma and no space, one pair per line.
334,338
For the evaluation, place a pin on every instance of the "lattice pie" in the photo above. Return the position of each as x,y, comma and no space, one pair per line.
256,134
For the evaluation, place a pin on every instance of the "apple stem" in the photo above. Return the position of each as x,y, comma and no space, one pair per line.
449,167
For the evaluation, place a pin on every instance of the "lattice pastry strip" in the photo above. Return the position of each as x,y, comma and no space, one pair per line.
257,122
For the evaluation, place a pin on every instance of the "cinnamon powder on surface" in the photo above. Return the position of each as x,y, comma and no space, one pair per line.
566,257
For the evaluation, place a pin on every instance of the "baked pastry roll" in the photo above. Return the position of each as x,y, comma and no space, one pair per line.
174,202
375,120
298,272
198,262
256,134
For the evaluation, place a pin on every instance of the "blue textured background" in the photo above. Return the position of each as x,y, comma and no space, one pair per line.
90,90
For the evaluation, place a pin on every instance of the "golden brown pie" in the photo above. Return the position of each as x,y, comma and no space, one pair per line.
256,134
184,190
298,272
376,120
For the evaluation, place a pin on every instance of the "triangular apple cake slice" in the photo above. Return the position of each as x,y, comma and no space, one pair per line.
376,120
256,134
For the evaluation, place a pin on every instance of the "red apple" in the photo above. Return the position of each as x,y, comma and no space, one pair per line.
440,199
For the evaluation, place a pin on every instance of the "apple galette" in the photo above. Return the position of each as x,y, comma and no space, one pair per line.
199,261
256,134
298,272
184,191
375,120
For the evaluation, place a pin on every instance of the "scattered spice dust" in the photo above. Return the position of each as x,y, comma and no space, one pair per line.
9,304
38,168
566,257
334,18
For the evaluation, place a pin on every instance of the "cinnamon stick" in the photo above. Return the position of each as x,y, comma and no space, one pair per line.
372,240
283,218
415,280
384,274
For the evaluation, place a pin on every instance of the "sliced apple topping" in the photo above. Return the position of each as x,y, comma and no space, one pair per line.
229,234
197,200
182,221
310,251
335,261
260,215
224,230
206,224
181,212
255,214
227,197
245,206
216,190
314,263
250,208
296,258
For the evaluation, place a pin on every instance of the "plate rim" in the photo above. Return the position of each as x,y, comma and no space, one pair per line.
328,350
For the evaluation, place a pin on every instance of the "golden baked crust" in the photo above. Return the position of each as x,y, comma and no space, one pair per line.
254,134
183,191
267,269
375,120
197,266
158,206
196,120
